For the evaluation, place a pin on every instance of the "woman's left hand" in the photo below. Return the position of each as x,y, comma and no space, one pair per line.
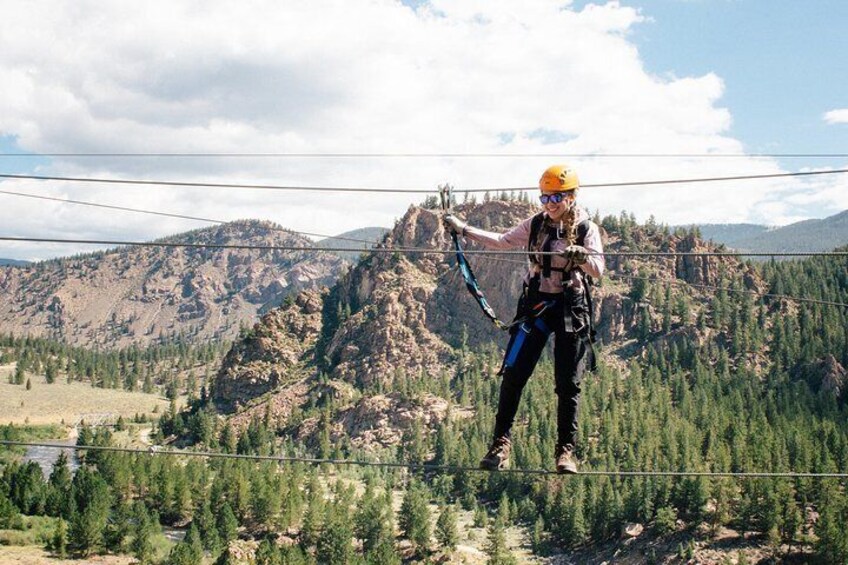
454,224
576,253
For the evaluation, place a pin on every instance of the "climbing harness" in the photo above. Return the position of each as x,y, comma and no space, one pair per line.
579,308
465,268
531,307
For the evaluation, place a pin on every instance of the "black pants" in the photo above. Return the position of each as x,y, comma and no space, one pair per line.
572,356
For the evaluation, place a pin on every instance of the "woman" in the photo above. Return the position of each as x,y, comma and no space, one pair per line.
556,300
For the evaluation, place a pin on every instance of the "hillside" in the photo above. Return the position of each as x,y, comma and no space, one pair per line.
144,295
808,235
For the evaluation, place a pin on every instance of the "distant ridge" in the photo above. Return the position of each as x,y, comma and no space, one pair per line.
731,234
372,235
14,263
808,235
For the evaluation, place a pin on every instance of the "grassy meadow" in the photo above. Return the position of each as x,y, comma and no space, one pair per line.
66,403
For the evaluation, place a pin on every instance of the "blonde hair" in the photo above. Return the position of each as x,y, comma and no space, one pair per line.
566,226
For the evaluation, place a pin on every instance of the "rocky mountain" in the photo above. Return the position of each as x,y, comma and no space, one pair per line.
808,235
395,318
144,295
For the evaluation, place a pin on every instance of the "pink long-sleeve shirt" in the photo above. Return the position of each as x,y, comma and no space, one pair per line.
518,237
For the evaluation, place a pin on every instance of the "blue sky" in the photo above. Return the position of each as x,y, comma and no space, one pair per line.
784,64
18,165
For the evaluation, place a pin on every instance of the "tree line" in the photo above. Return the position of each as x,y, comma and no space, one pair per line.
174,368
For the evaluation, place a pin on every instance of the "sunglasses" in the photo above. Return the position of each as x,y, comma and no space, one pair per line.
556,198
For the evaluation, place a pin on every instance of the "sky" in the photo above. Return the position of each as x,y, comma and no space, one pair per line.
438,77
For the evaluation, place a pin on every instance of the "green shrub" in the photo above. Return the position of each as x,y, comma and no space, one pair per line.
666,521
14,537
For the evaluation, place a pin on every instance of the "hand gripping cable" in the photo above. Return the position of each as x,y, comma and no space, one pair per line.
464,268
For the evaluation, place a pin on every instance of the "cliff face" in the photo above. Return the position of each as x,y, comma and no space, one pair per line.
276,352
139,295
400,317
825,375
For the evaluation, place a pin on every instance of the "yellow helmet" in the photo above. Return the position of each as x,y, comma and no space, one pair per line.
559,178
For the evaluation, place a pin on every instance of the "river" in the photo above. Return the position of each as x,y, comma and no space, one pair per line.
47,456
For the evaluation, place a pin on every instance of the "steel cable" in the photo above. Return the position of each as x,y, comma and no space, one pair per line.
187,184
383,250
371,243
428,467
174,215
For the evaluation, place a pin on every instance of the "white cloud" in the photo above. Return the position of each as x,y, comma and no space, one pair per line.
367,76
839,116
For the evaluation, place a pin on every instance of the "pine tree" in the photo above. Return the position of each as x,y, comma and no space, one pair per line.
20,374
372,520
832,544
239,495
315,517
334,545
538,536
503,509
228,439
59,488
8,511
384,553
607,513
227,524
88,523
147,386
666,521
187,552
496,547
50,373
721,513
206,527
194,541
142,543
481,519
120,527
180,503
59,540
413,447
791,519
266,499
294,555
267,554
643,325
414,519
573,530
447,533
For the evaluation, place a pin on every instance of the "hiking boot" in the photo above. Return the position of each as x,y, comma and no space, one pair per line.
565,462
498,455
